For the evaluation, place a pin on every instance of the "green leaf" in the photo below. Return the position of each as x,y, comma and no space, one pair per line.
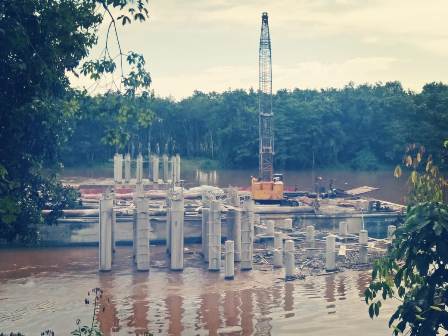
371,310
419,317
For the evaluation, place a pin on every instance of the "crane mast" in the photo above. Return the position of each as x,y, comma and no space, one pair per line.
266,134
268,187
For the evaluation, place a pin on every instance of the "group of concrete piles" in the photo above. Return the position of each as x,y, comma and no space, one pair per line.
107,229
240,234
170,168
239,243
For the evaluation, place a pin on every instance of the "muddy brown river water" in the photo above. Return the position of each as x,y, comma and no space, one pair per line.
45,288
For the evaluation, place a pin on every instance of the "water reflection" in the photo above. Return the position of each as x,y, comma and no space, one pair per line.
341,287
232,308
108,313
247,312
174,314
329,288
192,302
139,319
288,305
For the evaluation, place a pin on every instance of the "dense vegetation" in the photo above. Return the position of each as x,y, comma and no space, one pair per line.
414,271
41,41
363,126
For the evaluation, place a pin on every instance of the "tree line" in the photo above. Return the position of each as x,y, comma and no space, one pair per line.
363,127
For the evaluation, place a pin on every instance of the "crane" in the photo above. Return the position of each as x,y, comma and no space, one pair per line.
268,187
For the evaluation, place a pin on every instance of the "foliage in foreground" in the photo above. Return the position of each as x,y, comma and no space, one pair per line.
41,42
415,271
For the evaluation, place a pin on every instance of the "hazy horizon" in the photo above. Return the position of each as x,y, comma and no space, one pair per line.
213,45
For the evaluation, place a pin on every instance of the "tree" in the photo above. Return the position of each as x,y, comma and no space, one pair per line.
415,269
41,42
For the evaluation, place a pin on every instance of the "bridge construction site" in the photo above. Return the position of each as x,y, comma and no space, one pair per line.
227,229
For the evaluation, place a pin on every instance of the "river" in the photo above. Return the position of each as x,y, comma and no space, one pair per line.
45,288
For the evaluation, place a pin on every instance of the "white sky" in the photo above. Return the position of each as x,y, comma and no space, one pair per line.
212,45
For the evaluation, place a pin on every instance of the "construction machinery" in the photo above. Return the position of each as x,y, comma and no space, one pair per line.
268,187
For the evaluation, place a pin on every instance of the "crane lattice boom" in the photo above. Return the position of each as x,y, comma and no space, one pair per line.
265,103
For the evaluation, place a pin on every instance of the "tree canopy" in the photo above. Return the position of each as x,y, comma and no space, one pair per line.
41,41
362,127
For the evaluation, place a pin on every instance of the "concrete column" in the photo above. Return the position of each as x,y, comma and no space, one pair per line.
214,236
270,228
165,168
118,168
139,169
177,231
139,189
233,197
127,168
114,229
363,247
105,228
343,228
155,168
288,223
178,177
310,236
278,251
134,235
330,256
141,241
290,267
391,232
172,169
363,237
234,230
229,268
204,232
168,225
363,254
257,219
247,235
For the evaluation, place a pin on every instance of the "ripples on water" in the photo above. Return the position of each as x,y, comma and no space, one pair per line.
45,288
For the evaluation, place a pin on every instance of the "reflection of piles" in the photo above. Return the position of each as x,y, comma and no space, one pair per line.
210,316
107,315
174,307
140,305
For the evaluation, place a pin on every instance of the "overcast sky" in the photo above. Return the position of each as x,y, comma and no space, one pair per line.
212,45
